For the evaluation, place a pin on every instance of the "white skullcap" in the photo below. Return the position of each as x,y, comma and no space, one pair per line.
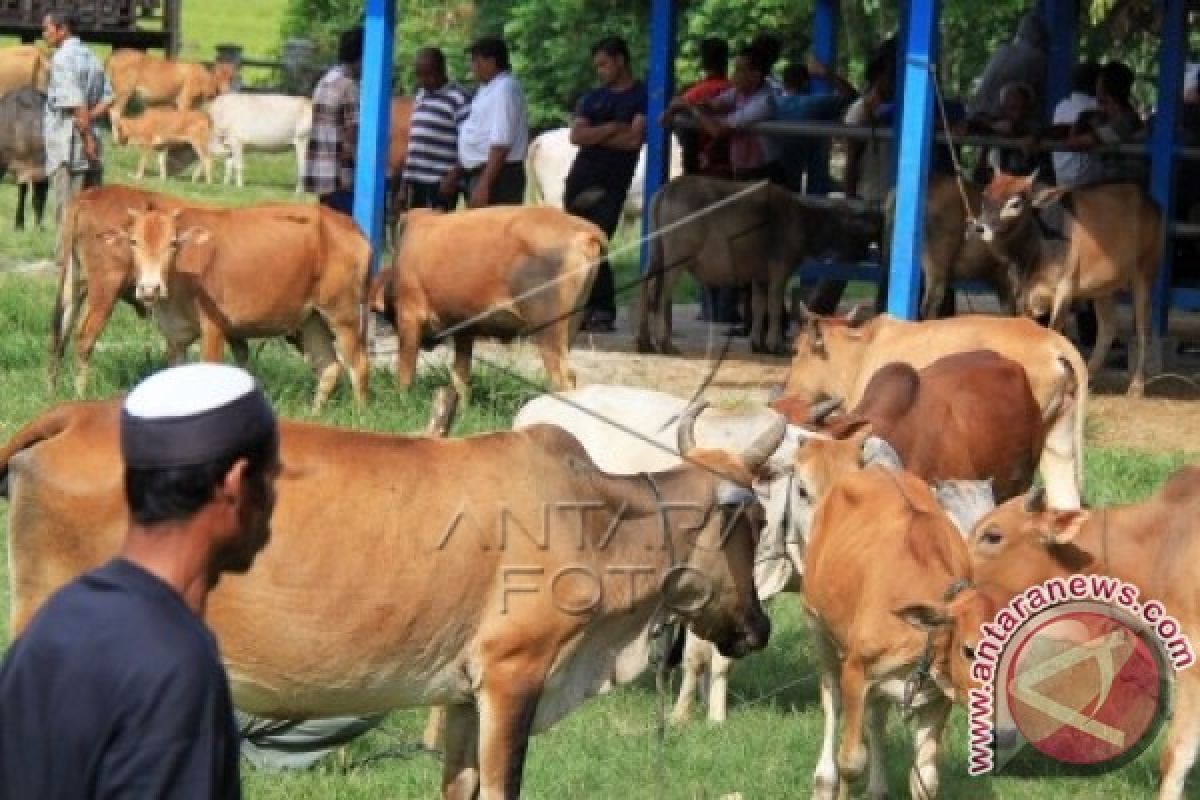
193,414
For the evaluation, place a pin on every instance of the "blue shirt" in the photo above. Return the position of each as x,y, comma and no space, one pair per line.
115,690
599,107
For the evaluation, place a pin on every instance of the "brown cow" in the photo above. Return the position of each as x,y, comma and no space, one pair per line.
265,270
836,357
501,272
1111,240
886,579
1153,545
22,66
158,81
967,416
157,129
407,572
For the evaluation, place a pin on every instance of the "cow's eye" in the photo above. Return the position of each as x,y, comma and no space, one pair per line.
133,242
968,652
991,537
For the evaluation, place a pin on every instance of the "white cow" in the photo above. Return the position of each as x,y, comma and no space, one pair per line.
272,123
646,442
549,160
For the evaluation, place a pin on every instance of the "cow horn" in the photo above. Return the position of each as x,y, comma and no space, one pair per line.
687,427
823,409
442,411
1035,500
857,315
766,444
800,313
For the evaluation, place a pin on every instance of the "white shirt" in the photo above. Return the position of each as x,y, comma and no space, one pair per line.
1191,77
498,118
1072,168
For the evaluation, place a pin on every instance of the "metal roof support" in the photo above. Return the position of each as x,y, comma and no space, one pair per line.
660,84
1164,138
370,171
826,21
1062,22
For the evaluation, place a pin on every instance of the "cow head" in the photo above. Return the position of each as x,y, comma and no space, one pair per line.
828,352
1023,543
154,240
953,628
716,592
1007,205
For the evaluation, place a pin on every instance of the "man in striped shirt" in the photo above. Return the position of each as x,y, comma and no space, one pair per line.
329,160
441,105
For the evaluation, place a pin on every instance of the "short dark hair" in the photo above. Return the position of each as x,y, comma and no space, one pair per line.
612,46
770,47
492,47
435,55
63,19
754,57
796,76
350,46
1118,80
1084,77
714,55
160,495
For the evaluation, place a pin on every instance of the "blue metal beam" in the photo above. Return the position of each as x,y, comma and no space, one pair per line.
374,117
1062,21
1171,53
826,21
916,127
660,83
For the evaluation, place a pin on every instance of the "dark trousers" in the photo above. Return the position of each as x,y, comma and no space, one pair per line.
509,187
342,200
427,195
599,202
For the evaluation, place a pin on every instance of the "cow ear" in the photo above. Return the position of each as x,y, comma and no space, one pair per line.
1063,527
194,235
925,617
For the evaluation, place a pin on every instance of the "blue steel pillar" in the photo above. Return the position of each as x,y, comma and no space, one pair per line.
1171,54
825,36
916,134
374,117
660,83
1062,19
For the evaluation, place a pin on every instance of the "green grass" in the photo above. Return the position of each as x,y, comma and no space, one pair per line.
608,748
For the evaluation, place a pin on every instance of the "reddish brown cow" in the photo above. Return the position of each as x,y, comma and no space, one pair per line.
1154,545
968,416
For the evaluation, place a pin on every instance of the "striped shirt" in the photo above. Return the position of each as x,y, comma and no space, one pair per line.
433,133
329,160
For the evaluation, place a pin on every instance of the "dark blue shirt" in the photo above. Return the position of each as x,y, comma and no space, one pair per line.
116,690
607,165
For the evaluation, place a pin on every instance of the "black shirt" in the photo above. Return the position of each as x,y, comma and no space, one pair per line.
116,690
607,165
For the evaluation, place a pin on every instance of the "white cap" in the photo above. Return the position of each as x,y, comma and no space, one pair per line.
187,390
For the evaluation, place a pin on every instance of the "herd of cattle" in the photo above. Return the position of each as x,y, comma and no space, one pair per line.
889,484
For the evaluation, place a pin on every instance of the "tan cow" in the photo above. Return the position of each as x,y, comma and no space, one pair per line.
406,572
838,356
500,272
886,579
155,130
1112,240
21,66
158,81
270,270
1153,545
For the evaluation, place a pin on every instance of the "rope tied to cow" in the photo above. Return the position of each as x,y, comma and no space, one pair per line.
958,170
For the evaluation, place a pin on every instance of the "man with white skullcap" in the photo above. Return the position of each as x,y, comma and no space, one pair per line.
116,688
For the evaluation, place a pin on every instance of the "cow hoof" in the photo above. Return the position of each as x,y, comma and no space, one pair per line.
1136,390
644,346
668,349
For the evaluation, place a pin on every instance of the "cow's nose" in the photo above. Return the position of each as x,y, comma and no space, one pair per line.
150,292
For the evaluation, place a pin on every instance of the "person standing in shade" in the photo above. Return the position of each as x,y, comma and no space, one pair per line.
609,128
441,105
116,688
495,134
77,94
330,158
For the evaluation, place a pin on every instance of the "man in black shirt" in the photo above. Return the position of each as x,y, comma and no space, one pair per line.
116,688
609,127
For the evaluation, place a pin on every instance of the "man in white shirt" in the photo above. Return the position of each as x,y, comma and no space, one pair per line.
1191,82
495,134
1071,169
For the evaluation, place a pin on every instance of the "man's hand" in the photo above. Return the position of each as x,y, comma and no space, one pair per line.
481,195
89,146
448,187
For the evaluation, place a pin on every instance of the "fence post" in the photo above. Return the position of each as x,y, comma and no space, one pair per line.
297,65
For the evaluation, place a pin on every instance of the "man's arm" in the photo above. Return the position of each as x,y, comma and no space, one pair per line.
585,134
482,195
628,136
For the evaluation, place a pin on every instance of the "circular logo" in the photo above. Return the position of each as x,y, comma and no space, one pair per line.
1087,686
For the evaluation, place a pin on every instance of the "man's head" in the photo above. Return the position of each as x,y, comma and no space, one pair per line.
796,78
769,47
610,59
350,47
201,448
749,70
57,27
429,68
1114,87
1016,101
714,56
1084,78
489,57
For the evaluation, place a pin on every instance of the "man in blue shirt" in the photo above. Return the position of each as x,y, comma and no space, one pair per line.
608,129
116,689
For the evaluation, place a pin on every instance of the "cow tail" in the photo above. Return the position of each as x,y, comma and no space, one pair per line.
535,188
586,252
1073,396
657,256
67,297
47,426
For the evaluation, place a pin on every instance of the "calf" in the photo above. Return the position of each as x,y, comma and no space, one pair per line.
1154,545
270,122
1111,240
23,148
267,270
888,592
157,129
499,272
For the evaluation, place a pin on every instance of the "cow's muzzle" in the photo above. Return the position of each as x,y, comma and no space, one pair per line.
151,292
754,634
981,230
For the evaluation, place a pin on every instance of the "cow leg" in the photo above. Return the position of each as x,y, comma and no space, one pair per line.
553,343
241,352
776,287
825,776
212,342
1183,737
40,190
434,737
97,308
876,729
460,375
162,166
460,767
1141,325
19,220
507,706
697,656
408,341
350,351
935,291
301,147
1106,331
141,167
852,754
718,687
318,345
931,721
